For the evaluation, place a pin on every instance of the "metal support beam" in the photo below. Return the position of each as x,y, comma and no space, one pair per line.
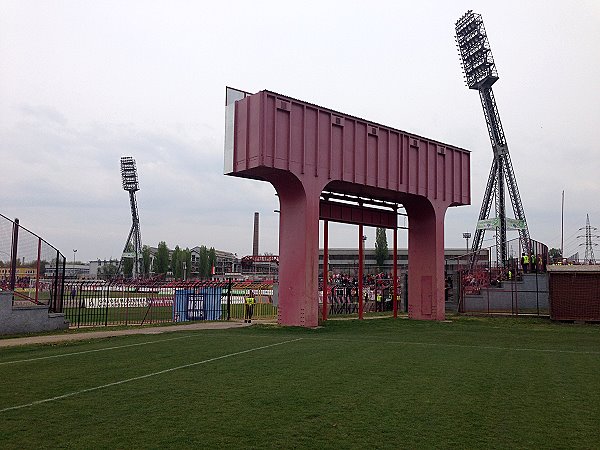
325,267
395,293
360,271
353,214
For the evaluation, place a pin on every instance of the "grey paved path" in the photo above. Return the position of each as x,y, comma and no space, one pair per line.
52,338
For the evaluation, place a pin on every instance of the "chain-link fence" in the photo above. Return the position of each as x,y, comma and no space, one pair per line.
520,287
30,267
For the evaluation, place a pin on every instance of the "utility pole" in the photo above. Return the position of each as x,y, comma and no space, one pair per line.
74,272
562,227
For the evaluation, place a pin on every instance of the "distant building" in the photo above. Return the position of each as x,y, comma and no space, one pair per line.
341,260
260,266
72,271
345,260
95,267
20,272
226,262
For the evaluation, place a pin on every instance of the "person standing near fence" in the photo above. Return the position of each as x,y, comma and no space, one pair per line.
249,307
525,262
73,296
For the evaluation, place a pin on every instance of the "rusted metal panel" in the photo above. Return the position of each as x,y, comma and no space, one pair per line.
574,293
277,132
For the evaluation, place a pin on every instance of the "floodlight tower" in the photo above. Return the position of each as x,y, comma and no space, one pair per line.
133,246
480,74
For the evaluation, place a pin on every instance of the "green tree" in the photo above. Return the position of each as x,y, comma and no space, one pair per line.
176,263
146,259
555,254
381,247
161,262
203,261
212,260
108,271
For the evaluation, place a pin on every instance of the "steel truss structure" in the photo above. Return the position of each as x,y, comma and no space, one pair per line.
589,244
480,74
133,245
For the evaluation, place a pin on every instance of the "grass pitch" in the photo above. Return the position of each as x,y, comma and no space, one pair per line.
378,383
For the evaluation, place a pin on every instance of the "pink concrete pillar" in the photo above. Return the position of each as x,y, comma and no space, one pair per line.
425,260
299,251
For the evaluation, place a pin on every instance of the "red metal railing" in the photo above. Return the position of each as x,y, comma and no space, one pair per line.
30,267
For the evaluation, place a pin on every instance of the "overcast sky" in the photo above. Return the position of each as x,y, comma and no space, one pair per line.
83,83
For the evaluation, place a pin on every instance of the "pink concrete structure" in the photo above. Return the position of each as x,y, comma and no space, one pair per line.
303,149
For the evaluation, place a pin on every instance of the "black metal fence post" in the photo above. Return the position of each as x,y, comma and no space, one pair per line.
229,285
127,298
537,294
77,302
13,256
55,290
37,274
107,298
58,305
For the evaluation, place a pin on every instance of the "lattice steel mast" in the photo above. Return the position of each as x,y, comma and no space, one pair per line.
589,245
133,245
480,73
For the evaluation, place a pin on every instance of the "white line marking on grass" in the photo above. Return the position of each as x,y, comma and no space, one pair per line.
141,377
485,347
116,347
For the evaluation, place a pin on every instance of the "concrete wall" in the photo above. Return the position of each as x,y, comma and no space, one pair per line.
525,296
30,319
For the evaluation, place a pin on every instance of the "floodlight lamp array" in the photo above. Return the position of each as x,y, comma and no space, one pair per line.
129,174
477,61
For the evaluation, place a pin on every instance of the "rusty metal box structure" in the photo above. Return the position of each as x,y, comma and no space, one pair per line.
574,293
